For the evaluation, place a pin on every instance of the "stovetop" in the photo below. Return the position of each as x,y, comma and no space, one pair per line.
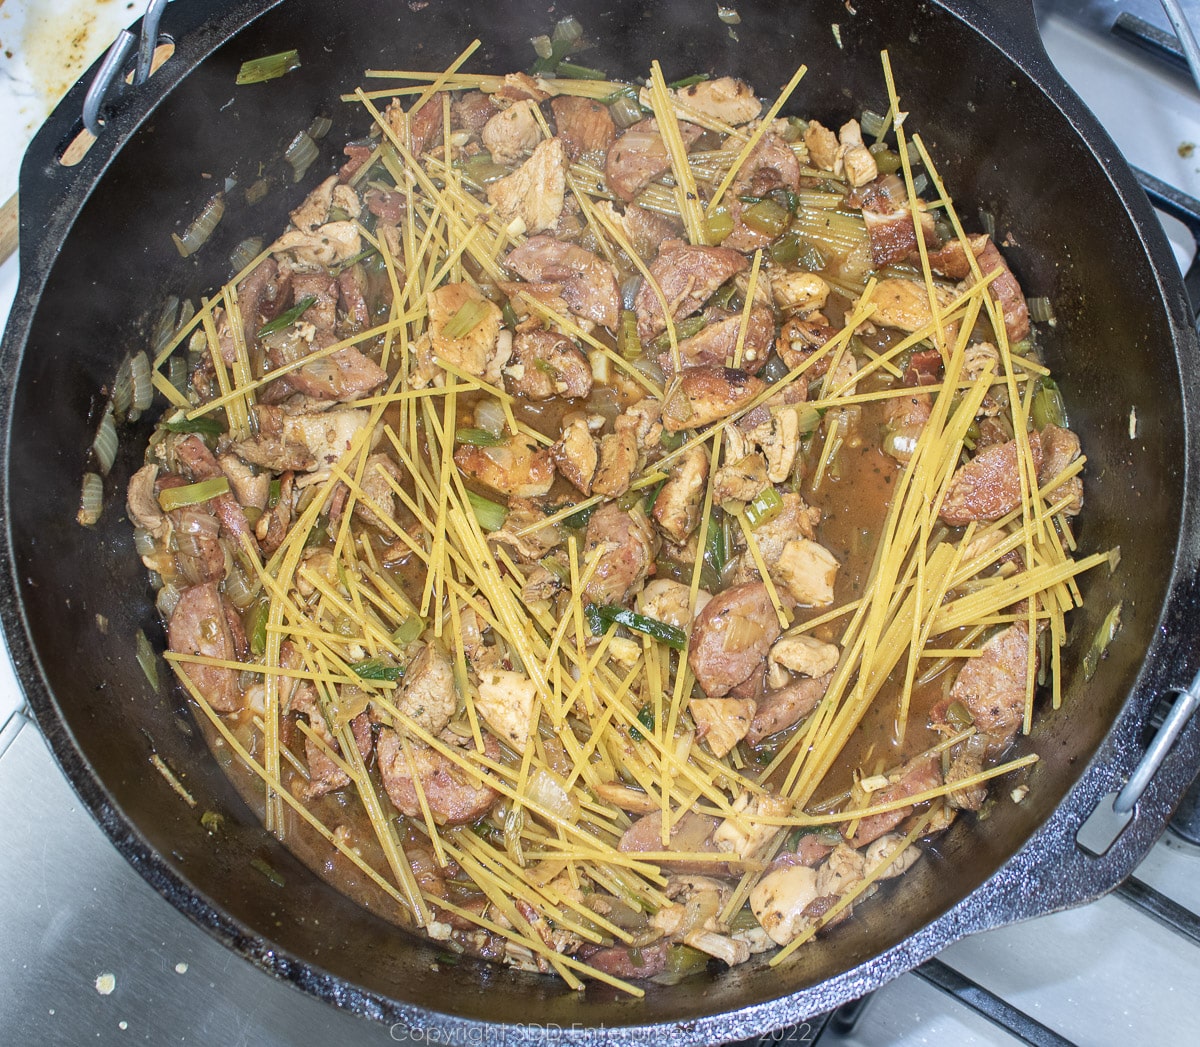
90,954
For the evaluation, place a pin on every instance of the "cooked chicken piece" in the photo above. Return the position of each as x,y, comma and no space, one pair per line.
628,546
687,275
519,467
904,861
378,503
512,134
822,145
330,244
341,376
618,462
584,125
481,351
587,283
251,489
506,702
857,160
885,211
680,500
205,623
731,638
726,99
779,441
797,291
703,395
141,502
798,339
326,434
691,834
904,304
780,898
644,420
530,547
750,844
1060,447
273,525
805,655
906,418
668,600
989,485
966,762
742,480
455,797
781,709
639,156
721,722
626,798
525,299
418,128
576,454
916,776
992,686
808,570
545,364
645,230
314,211
535,191
715,344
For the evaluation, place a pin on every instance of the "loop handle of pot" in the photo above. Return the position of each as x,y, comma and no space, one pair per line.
1185,705
1184,209
112,71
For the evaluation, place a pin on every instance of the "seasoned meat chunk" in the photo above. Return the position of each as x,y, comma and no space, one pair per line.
618,462
690,834
678,505
427,693
587,283
141,502
512,133
716,342
194,455
952,260
1060,447
623,961
917,776
545,364
202,624
771,165
472,110
536,190
906,418
576,454
627,545
808,570
326,246
506,704
989,485
726,99
731,638
687,275
992,686
722,722
584,125
780,901
519,467
668,600
781,709
706,394
455,797
639,156
904,304
889,223
378,504
645,230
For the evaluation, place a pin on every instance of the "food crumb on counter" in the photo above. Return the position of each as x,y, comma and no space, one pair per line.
105,983
1186,149
181,967
1133,423
1019,793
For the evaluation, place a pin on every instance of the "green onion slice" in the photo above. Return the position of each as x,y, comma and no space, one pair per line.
764,508
491,515
270,67
409,630
147,659
468,317
604,618
628,341
192,494
1104,636
1048,407
374,669
571,71
290,317
478,438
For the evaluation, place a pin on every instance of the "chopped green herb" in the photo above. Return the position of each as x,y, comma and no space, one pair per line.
285,320
466,319
478,438
147,659
688,81
645,717
256,626
272,67
213,823
672,441
274,492
604,618
1104,636
579,72
580,519
410,630
376,669
716,550
263,867
685,329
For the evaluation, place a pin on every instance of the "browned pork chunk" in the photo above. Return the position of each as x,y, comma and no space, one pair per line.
546,364
518,467
992,686
779,710
707,394
628,545
205,623
731,638
715,343
915,777
989,485
639,156
587,283
1061,448
687,275
889,223
584,125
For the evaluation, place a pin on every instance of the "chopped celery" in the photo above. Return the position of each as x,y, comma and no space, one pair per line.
272,67
491,515
764,508
192,494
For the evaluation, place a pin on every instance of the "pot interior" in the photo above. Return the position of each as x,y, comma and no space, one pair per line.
1001,145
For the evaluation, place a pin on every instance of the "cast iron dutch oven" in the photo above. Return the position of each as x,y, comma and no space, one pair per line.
97,261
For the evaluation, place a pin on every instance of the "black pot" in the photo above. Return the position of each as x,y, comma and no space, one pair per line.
97,262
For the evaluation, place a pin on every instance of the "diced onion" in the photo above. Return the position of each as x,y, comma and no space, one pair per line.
196,235
1040,310
122,397
166,327
245,253
91,499
241,589
301,154
105,443
728,15
143,541
143,386
626,111
872,124
166,601
320,127
489,415
547,791
177,373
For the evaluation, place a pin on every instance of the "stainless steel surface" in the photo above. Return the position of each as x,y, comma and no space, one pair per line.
1187,39
1185,705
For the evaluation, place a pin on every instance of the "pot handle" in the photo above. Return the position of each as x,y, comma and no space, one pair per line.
78,140
1184,209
